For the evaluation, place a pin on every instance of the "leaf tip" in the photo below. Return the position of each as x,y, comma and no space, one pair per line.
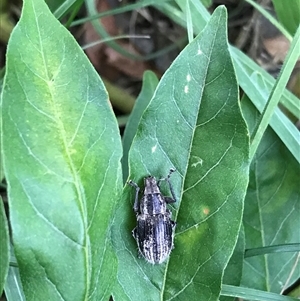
221,9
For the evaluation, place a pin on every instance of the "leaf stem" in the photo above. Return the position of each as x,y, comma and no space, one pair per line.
294,247
276,93
252,294
189,23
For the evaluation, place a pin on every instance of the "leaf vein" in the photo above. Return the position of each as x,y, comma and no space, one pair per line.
213,167
35,157
48,222
48,278
293,209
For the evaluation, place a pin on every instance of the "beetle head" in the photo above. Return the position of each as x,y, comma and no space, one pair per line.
150,185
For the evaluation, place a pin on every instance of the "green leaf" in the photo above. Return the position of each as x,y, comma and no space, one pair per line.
189,24
288,13
54,4
272,210
259,94
252,294
234,269
13,286
2,72
4,246
1,164
150,82
253,79
277,90
65,6
269,16
193,123
273,249
243,64
207,3
62,151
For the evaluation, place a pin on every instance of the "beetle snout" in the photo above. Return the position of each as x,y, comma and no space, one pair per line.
149,180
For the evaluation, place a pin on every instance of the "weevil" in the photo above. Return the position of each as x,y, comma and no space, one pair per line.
154,231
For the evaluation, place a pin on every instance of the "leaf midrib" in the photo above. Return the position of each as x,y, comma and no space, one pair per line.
62,134
190,147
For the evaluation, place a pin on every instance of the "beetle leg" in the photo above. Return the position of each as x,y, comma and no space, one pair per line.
136,200
170,185
169,200
167,179
134,233
140,255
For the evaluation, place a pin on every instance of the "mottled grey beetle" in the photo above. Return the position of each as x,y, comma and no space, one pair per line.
154,230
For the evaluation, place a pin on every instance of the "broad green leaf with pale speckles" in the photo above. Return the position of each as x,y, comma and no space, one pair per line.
62,153
193,124
256,87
